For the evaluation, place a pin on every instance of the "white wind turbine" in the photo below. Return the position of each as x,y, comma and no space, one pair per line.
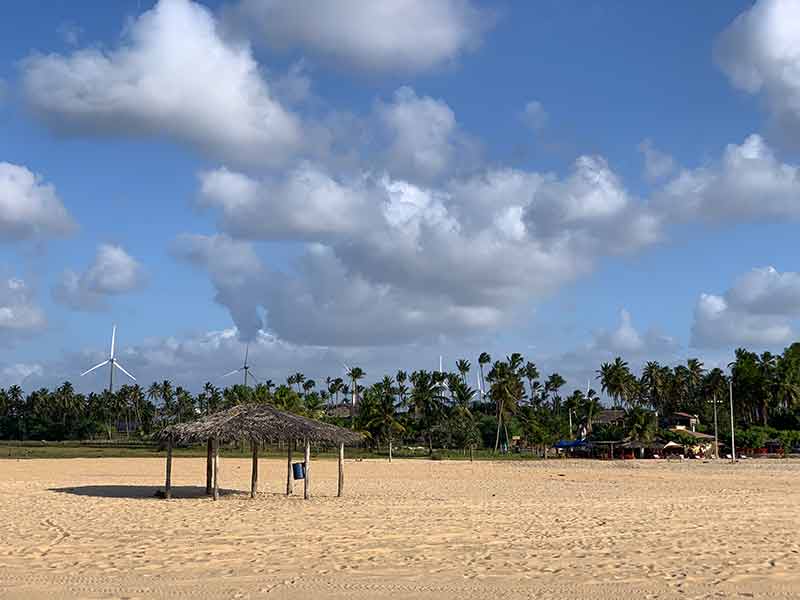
244,368
112,361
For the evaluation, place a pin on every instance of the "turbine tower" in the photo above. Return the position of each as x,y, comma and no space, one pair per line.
244,368
112,362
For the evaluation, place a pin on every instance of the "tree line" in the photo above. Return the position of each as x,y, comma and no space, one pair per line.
441,409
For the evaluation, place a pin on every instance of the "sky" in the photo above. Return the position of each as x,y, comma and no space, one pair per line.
381,184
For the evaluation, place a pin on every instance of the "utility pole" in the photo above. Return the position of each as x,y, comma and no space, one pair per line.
716,438
733,435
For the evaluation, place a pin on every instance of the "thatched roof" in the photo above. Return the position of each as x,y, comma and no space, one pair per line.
258,422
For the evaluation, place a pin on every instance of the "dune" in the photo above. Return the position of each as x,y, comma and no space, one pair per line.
92,528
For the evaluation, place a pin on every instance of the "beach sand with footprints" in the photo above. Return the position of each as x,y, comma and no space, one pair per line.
91,528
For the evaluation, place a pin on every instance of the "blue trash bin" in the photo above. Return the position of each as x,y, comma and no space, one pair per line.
299,470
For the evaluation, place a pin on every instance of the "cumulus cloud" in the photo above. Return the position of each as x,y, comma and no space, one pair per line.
760,54
395,35
30,208
760,309
534,115
422,134
236,272
112,273
634,345
19,313
748,183
154,84
657,164
389,260
626,340
18,373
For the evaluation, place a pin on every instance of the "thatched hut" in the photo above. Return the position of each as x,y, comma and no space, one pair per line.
257,424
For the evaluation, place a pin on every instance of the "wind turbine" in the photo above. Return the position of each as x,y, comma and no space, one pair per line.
112,361
244,368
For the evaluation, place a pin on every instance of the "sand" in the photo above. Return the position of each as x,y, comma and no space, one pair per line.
90,528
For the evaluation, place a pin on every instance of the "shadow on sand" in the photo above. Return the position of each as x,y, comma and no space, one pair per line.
139,491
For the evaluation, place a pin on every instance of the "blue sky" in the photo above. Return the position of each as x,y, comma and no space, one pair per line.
341,186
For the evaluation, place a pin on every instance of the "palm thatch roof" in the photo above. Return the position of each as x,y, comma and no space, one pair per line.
260,423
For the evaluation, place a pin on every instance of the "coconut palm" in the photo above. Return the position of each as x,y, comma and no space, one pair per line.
427,400
506,391
532,375
354,373
384,413
483,359
616,380
463,366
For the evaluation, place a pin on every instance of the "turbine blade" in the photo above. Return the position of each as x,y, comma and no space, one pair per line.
113,337
231,373
105,362
119,366
246,353
250,373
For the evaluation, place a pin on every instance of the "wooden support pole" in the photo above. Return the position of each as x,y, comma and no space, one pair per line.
307,465
168,482
340,489
289,468
216,468
254,478
209,466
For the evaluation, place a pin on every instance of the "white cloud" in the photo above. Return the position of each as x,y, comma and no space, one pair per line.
657,164
19,313
717,325
393,35
236,272
30,208
112,273
760,309
306,202
422,134
17,373
171,75
627,341
388,260
760,53
534,115
748,183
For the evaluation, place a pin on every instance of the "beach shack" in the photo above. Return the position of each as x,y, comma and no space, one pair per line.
257,424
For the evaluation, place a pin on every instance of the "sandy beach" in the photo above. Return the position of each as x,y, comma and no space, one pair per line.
90,528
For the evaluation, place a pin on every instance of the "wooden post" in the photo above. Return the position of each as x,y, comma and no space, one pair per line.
289,468
254,478
340,489
307,465
168,483
470,454
209,466
216,468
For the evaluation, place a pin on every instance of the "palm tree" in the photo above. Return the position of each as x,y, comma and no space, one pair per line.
462,419
354,373
463,368
483,359
640,425
591,406
427,400
532,374
506,391
384,413
573,403
309,385
554,383
616,380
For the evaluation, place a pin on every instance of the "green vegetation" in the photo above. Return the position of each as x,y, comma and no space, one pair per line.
437,414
